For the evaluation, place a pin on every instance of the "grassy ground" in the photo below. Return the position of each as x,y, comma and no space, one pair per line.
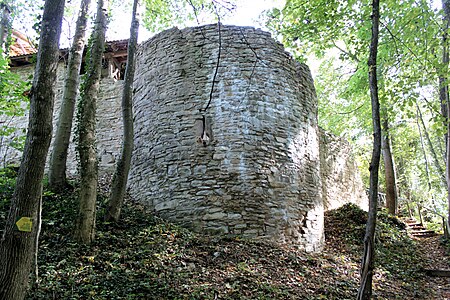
146,258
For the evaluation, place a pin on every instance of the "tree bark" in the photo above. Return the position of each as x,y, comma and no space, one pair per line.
5,26
57,170
87,151
367,264
430,145
18,244
444,96
427,169
389,170
443,85
120,177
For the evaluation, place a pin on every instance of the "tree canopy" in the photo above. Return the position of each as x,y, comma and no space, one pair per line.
337,34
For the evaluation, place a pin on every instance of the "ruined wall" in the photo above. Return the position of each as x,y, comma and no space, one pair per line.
341,180
258,176
109,124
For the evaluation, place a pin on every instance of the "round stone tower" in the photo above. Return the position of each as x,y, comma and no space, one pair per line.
226,136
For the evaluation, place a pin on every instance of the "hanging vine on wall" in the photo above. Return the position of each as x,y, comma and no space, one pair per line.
206,135
217,68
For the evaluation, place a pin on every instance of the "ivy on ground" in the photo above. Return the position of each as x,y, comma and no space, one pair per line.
143,257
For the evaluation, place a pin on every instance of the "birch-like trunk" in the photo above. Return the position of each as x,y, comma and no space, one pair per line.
87,151
120,178
57,170
5,26
18,244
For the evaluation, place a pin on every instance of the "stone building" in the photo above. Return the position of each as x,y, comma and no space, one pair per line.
109,125
226,136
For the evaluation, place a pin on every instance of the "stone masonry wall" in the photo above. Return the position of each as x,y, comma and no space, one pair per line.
341,180
109,124
259,174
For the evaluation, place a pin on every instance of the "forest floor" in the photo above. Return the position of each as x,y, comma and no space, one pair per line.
436,257
142,257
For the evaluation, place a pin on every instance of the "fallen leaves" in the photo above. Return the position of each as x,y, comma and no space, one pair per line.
146,258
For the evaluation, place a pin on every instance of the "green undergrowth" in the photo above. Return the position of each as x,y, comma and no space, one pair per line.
445,242
143,257
398,261
7,184
146,258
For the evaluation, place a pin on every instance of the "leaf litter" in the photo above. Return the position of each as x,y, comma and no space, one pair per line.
143,257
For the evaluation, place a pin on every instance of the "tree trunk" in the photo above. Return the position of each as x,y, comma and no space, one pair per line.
367,264
430,145
120,177
57,171
19,242
5,26
389,170
427,169
85,230
443,94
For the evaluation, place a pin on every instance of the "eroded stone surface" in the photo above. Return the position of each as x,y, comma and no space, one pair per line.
341,181
259,175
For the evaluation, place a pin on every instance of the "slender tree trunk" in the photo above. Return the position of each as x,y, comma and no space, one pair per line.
444,96
430,145
389,170
367,264
57,171
85,230
120,177
427,169
444,110
19,240
4,26
408,200
443,85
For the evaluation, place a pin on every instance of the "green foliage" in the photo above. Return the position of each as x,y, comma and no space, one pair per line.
397,255
80,104
395,246
26,14
446,244
12,90
13,103
158,14
162,14
7,183
350,220
343,109
153,259
337,34
316,26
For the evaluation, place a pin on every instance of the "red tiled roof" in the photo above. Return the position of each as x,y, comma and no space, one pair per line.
21,45
22,50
